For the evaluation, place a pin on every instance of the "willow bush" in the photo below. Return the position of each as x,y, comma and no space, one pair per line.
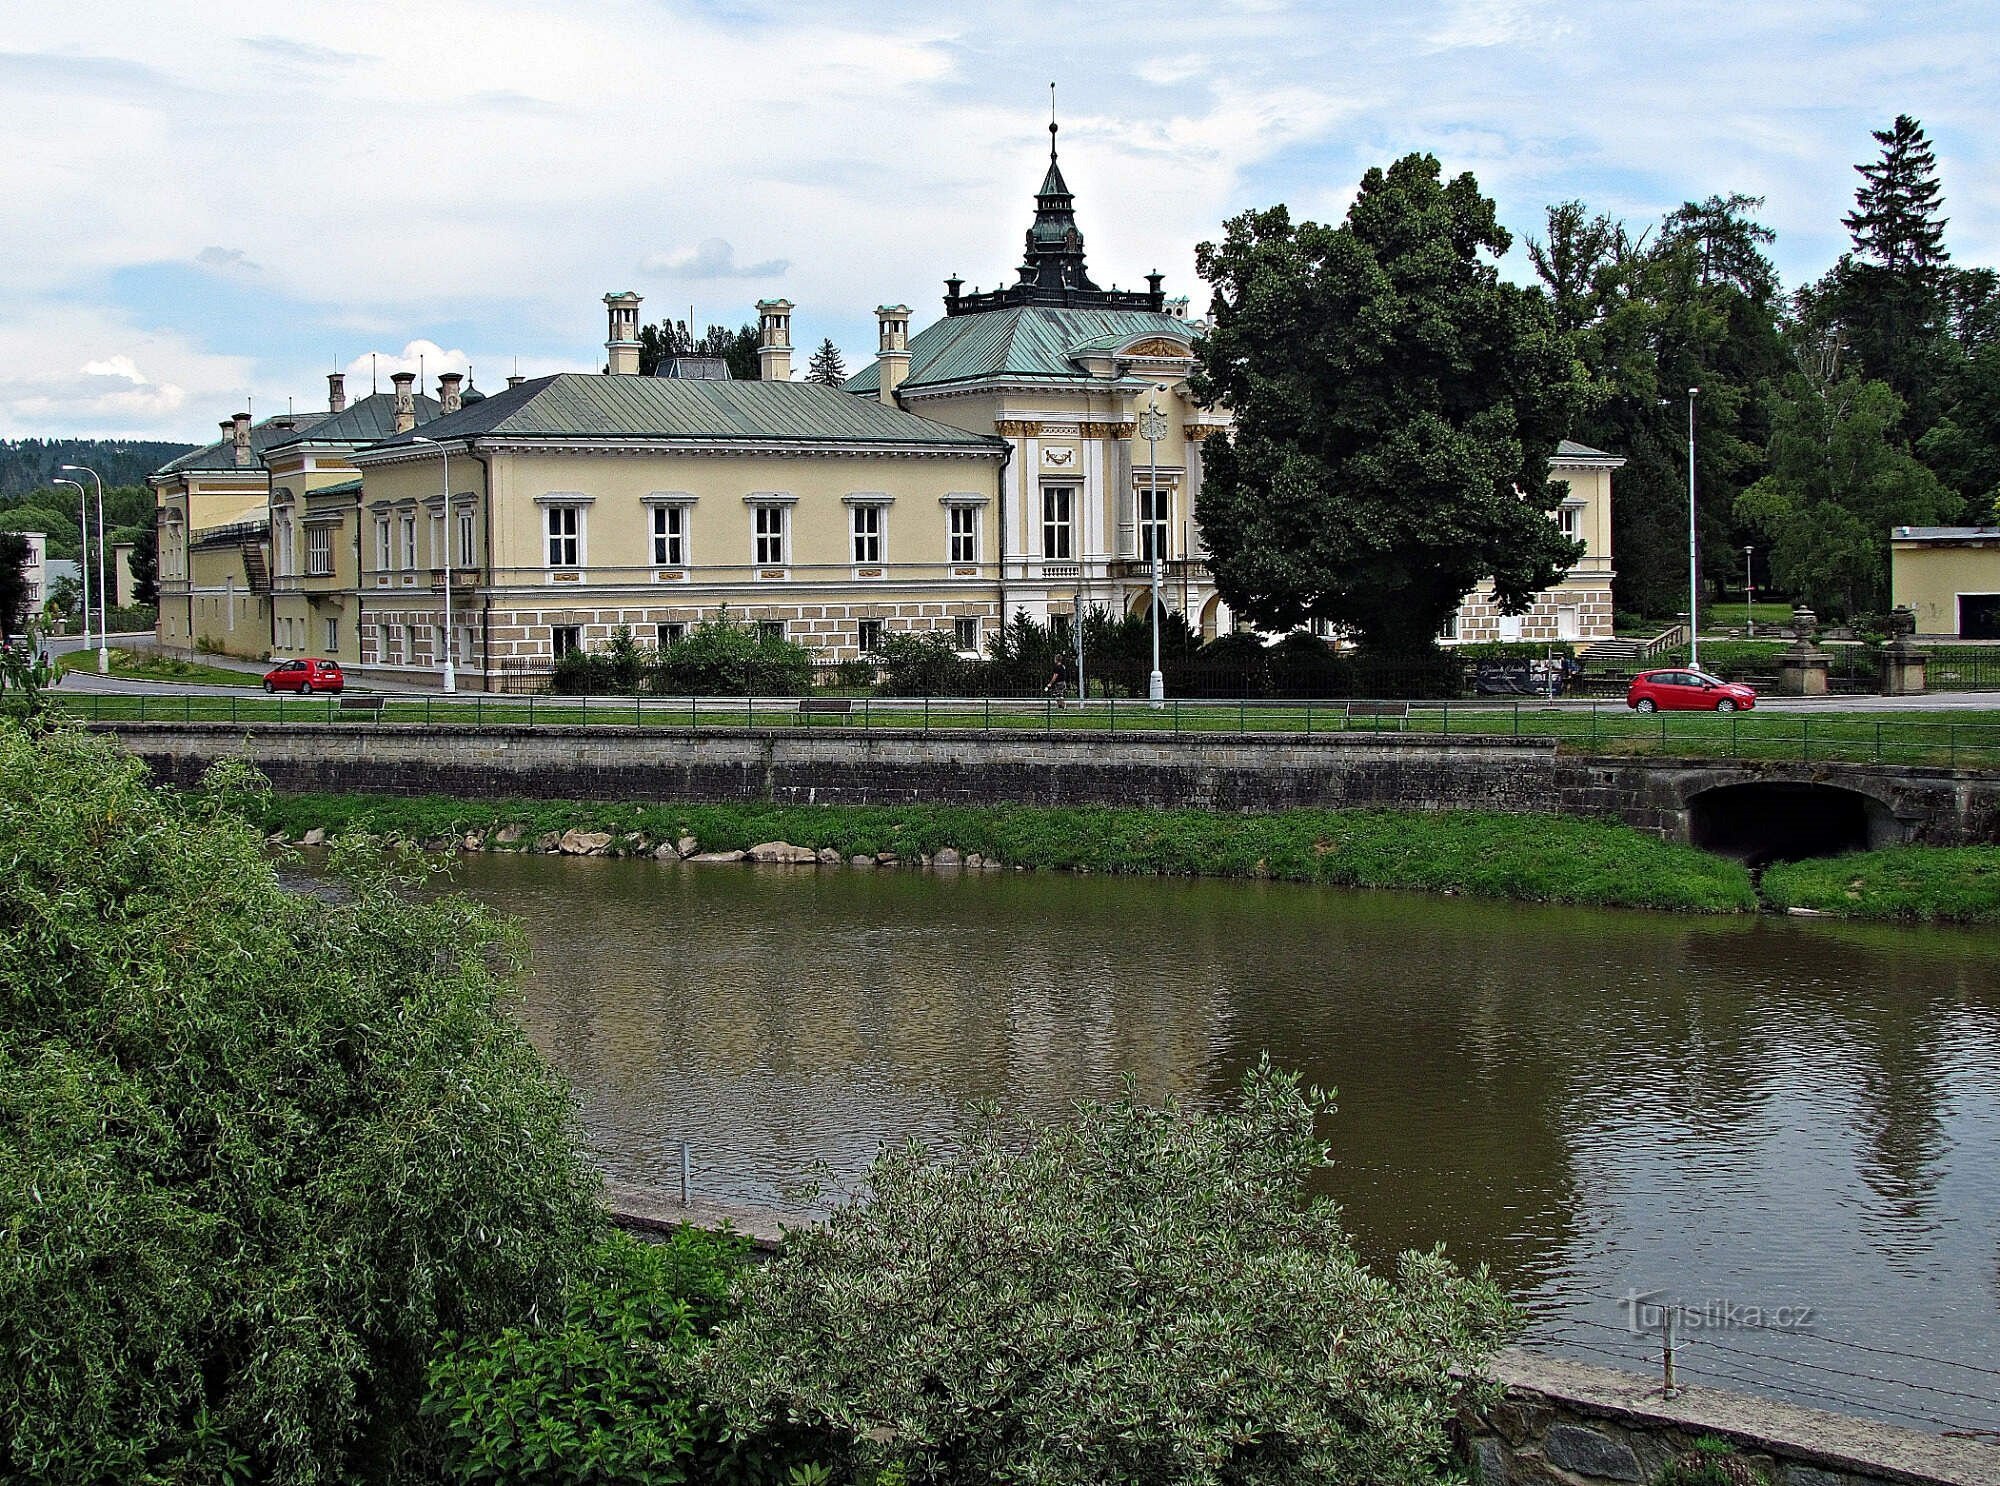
259,1150
1139,1294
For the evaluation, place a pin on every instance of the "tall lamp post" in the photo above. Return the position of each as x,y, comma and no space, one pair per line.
83,548
103,617
450,671
1152,427
1694,580
1749,596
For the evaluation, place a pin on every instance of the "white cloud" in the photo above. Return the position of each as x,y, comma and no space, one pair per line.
425,358
711,258
69,370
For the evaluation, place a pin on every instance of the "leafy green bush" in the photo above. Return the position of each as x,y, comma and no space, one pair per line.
596,1396
1142,1294
924,663
259,1150
724,657
1712,1462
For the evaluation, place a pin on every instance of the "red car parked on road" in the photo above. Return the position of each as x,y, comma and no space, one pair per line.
305,676
1683,690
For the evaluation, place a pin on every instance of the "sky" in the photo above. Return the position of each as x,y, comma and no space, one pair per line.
213,206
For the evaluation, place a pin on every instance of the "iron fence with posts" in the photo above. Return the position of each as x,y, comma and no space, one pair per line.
1591,727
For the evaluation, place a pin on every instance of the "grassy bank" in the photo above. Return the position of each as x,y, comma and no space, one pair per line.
1533,858
145,666
1937,884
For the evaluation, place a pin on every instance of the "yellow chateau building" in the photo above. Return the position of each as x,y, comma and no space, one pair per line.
1032,451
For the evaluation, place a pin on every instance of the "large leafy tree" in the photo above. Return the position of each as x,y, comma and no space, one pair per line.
1692,303
1396,406
260,1151
13,583
1839,480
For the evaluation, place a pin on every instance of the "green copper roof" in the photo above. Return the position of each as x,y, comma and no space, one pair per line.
221,455
363,421
1035,341
577,405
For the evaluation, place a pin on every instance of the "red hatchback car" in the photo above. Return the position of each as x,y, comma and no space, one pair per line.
1687,691
305,676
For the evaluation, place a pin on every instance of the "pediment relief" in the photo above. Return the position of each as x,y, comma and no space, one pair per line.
1158,348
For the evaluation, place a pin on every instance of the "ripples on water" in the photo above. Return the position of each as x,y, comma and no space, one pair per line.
1748,1111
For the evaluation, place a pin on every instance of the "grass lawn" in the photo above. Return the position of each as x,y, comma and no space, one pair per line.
131,666
1944,884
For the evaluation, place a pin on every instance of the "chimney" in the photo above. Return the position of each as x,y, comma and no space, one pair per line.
621,346
774,340
894,354
239,430
516,380
448,392
406,401
336,392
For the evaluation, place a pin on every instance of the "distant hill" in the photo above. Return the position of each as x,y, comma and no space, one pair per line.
29,464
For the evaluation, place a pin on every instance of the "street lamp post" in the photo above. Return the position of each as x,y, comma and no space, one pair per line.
103,617
1749,597
1152,425
83,548
1694,582
450,671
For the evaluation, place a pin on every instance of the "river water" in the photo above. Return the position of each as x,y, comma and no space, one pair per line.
1790,1127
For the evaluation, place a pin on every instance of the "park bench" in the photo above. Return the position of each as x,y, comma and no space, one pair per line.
1398,710
838,706
372,703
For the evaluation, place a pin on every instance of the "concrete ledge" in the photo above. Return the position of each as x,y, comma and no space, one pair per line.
651,1211
1574,1423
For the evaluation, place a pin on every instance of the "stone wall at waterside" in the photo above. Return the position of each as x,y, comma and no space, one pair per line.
1565,1423
1678,799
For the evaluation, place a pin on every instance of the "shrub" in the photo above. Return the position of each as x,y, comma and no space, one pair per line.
258,1150
1712,1462
592,1397
924,663
1142,1294
724,657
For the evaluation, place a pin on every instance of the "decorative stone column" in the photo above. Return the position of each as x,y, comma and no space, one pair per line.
1802,669
1902,665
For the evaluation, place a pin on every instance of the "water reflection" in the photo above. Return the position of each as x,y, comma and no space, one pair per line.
1753,1109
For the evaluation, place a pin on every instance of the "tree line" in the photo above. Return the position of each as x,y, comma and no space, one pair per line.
1397,402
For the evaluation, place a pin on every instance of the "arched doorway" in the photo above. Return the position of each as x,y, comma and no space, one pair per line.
1782,820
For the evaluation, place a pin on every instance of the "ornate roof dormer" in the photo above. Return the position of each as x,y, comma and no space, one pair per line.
1052,272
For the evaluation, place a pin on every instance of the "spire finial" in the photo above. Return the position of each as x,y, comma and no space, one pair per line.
1052,123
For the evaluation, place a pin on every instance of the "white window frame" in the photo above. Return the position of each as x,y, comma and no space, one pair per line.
771,629
385,551
438,528
670,534
965,630
557,649
770,535
562,532
468,549
962,533
319,550
1155,504
332,636
1063,497
407,531
864,525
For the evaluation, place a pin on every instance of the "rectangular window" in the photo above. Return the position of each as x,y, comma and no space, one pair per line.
671,634
409,535
1154,503
867,533
770,629
333,637
436,539
465,547
669,536
395,644
770,530
565,637
1450,630
966,633
1057,518
870,636
964,534
1569,520
563,524
319,551
384,560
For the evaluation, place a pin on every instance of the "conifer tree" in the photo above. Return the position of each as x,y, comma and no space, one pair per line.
1892,285
828,369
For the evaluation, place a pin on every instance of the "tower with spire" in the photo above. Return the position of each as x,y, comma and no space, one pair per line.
1052,269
